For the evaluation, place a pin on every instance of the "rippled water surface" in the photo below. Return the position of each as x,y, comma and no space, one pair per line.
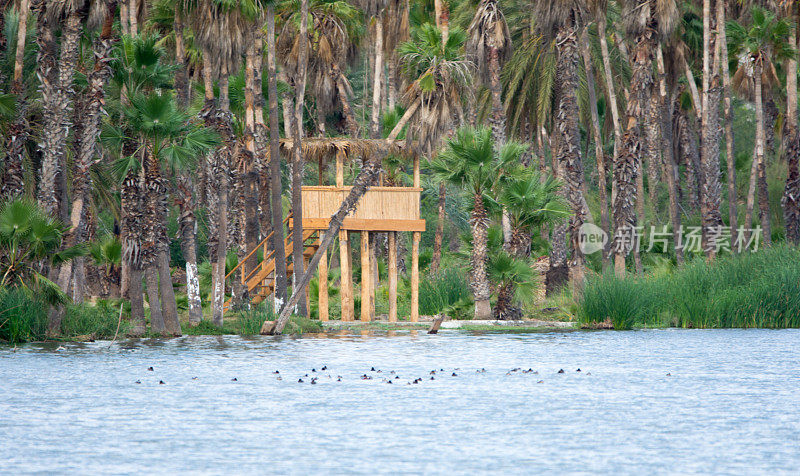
731,404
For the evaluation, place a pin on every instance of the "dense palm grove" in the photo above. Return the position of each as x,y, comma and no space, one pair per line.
141,138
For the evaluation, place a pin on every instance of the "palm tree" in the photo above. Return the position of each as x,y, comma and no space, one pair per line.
532,201
560,23
758,48
470,161
489,45
169,141
56,87
647,21
439,79
276,206
791,193
13,180
89,133
28,238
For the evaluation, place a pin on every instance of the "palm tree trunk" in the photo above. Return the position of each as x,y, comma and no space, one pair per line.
250,198
711,188
278,243
186,230
222,232
479,223
669,158
609,77
137,303
568,153
156,318
438,237
626,167
169,308
398,128
57,104
791,193
89,132
375,122
763,195
350,123
730,156
181,74
13,178
297,156
598,139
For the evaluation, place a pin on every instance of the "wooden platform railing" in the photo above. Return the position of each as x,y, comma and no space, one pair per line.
266,257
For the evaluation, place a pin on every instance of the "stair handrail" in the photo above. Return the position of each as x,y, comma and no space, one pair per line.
249,255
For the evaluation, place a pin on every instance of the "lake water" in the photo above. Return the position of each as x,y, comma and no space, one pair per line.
730,404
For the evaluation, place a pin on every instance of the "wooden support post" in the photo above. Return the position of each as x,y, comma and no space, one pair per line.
416,171
339,168
307,290
415,277
366,283
323,288
345,263
392,276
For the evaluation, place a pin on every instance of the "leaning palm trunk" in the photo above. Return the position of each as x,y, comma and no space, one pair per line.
791,193
568,153
362,183
57,105
479,222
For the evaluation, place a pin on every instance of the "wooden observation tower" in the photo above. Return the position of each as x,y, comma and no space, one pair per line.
383,209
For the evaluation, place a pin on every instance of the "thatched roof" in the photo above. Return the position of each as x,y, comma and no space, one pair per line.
316,149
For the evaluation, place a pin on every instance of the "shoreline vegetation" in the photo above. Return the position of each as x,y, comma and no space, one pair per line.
751,290
614,167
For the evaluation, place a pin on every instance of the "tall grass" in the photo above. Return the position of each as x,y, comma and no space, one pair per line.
444,292
23,318
750,290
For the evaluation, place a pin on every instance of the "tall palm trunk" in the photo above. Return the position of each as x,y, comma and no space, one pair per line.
626,167
791,193
250,187
278,243
610,88
763,194
727,109
670,169
181,74
89,132
375,123
187,224
13,179
568,153
132,227
479,223
57,105
711,187
297,156
598,139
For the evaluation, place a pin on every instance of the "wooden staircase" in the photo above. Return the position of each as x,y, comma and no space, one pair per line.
260,280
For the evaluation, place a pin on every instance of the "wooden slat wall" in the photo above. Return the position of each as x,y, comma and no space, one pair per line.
379,203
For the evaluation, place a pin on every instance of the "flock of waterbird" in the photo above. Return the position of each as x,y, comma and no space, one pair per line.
390,377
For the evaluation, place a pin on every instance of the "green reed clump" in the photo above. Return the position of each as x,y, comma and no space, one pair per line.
749,290
444,292
23,318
